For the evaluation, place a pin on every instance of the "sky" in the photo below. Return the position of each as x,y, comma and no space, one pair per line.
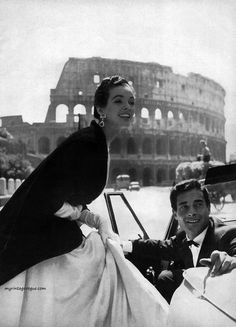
38,36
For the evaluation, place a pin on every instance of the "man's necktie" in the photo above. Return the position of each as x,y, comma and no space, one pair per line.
191,242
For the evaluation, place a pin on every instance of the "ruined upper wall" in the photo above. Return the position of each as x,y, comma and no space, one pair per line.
150,80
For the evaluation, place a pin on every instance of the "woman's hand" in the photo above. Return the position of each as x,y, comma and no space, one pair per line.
100,223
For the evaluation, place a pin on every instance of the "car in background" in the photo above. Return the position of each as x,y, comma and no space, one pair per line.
134,186
122,182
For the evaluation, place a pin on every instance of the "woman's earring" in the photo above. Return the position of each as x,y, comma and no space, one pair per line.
101,122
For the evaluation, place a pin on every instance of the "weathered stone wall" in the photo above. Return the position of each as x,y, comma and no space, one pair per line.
173,113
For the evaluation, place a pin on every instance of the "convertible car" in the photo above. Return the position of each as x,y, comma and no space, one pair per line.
218,305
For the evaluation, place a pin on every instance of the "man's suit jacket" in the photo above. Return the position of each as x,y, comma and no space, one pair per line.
74,172
218,237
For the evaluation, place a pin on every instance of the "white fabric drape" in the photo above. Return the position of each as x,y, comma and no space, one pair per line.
187,308
90,286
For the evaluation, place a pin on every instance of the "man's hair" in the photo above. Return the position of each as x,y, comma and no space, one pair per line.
103,91
184,186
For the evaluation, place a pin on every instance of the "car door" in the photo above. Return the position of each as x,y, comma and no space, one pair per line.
127,225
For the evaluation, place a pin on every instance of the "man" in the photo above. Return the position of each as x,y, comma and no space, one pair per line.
201,240
206,154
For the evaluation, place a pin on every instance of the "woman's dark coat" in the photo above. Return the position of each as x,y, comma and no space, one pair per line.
75,172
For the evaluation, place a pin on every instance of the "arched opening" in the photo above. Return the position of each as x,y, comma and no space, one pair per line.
147,177
170,118
158,114
170,115
173,146
158,117
183,148
161,145
133,174
201,119
193,148
161,175
96,79
131,146
44,145
181,116
79,109
60,140
61,113
158,146
172,174
147,146
207,123
145,115
115,146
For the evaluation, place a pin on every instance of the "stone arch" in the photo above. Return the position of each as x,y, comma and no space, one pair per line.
213,126
60,140
161,175
158,146
133,174
183,147
170,115
145,115
172,174
131,146
201,119
193,147
44,145
161,145
170,118
173,146
181,116
79,109
96,78
147,146
61,113
115,146
147,176
207,124
158,114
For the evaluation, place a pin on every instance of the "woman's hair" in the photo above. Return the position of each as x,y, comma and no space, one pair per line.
103,91
184,186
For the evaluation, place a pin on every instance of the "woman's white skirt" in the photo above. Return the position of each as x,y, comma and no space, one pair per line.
90,286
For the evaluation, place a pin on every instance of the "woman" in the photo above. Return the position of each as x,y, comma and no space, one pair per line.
32,228
51,275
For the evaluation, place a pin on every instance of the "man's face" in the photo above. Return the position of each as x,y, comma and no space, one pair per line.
192,212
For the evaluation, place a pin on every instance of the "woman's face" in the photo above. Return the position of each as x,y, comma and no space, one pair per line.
120,107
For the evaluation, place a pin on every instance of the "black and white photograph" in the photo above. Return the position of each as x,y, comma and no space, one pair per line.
117,163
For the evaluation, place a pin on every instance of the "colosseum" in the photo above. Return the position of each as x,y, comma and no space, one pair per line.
173,113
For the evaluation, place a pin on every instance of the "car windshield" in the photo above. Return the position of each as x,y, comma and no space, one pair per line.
151,205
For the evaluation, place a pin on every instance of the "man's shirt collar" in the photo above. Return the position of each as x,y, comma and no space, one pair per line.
200,237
